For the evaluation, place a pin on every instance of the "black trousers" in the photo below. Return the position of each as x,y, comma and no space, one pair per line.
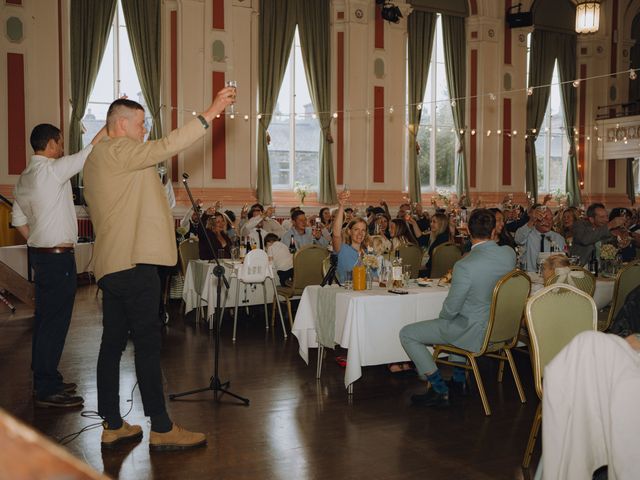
55,290
130,306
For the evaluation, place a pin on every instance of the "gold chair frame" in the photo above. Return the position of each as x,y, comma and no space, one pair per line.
576,268
502,353
617,303
291,292
435,266
538,368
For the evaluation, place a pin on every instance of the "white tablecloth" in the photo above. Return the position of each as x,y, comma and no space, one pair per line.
200,285
15,256
367,323
603,294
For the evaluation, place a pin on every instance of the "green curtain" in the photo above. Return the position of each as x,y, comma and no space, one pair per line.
631,181
566,45
314,17
90,22
276,30
142,18
455,60
421,28
542,60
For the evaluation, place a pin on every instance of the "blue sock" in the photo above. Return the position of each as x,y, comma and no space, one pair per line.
459,375
437,383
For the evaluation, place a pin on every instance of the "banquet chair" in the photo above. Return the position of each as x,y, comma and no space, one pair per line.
507,307
411,255
256,270
307,270
627,279
587,283
188,250
554,315
444,257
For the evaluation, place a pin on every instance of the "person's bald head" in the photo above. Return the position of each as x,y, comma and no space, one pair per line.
125,118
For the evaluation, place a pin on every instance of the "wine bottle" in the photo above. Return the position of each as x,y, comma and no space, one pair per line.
292,245
396,271
593,264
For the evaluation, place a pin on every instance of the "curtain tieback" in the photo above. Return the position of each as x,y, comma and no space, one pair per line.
327,134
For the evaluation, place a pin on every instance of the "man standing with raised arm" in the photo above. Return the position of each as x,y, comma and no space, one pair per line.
44,214
134,234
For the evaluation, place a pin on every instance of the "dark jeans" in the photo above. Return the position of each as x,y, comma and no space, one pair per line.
55,290
130,305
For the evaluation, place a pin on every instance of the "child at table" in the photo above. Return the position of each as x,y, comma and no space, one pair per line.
281,256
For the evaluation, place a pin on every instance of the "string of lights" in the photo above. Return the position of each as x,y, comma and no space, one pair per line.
588,132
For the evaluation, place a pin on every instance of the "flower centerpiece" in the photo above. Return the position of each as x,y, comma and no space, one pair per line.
608,258
301,190
561,198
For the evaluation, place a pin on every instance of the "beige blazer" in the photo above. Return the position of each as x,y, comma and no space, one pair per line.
131,217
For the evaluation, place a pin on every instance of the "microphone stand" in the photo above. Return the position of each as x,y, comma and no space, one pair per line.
215,385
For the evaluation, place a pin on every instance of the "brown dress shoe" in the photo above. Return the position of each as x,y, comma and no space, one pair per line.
59,400
176,439
126,433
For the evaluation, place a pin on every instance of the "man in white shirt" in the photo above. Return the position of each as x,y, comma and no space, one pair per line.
44,214
537,237
260,224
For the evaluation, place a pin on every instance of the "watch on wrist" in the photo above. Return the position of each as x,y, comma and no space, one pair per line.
203,121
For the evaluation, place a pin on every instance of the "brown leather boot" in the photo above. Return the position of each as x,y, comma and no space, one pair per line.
176,439
126,433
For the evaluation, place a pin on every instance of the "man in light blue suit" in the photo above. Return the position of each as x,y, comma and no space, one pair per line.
465,312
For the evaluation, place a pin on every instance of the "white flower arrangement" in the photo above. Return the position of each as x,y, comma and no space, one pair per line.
370,261
560,197
608,252
301,190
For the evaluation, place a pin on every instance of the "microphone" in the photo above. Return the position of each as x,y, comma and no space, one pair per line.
185,176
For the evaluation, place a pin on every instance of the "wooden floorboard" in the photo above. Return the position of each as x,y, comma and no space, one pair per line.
295,427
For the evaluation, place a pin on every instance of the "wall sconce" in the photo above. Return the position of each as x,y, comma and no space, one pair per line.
587,16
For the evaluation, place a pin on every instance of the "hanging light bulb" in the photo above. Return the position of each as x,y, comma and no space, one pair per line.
488,133
259,116
313,115
576,83
218,116
588,139
498,132
193,113
530,91
391,110
534,131
419,107
232,116
515,132
246,117
462,131
492,96
473,132
335,114
632,74
453,103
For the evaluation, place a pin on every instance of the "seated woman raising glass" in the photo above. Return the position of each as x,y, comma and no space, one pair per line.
216,230
349,243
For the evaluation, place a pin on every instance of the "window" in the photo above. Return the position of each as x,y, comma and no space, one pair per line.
436,135
295,133
552,145
116,77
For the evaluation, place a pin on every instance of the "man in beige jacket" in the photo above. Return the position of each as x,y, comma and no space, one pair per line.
134,234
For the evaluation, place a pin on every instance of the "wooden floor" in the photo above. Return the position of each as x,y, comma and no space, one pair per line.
295,427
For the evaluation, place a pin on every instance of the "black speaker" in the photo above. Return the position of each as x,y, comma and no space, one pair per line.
520,19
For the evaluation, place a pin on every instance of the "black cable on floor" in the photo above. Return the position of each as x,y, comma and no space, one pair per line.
92,414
